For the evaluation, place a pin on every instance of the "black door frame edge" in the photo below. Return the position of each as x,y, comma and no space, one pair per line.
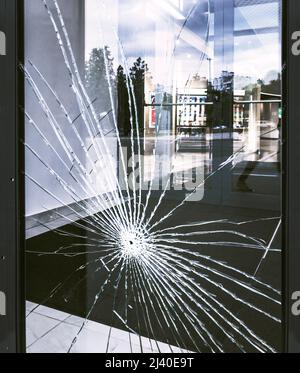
291,174
12,238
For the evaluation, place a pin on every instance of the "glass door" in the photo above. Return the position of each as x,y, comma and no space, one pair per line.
153,214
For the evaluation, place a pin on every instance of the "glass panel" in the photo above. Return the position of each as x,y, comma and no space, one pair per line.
257,109
152,168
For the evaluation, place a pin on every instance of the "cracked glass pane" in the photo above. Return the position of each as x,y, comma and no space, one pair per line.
153,215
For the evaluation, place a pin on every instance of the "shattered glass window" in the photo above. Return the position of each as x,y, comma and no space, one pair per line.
153,175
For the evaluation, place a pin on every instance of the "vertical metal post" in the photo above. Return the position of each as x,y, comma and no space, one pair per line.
291,173
12,300
223,105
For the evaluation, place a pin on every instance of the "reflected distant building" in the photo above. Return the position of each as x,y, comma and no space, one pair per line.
224,83
189,99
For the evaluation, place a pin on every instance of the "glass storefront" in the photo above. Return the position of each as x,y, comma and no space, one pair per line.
153,175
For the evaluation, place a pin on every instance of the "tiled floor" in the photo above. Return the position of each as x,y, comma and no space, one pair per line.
52,331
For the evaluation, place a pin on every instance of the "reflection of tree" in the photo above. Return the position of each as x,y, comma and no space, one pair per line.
96,78
274,86
137,76
221,94
263,89
98,88
123,105
270,112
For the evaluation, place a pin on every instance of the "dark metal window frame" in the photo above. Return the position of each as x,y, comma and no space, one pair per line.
12,254
12,236
291,174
